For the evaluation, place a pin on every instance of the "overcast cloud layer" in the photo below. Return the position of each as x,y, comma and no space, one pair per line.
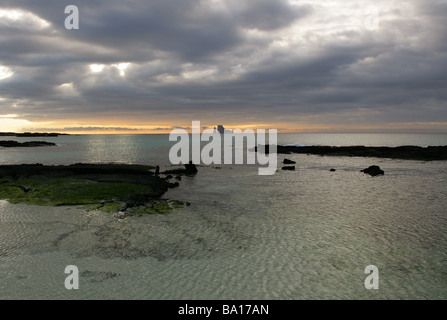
299,65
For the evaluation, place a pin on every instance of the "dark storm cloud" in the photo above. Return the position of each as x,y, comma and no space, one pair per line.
256,60
265,14
187,28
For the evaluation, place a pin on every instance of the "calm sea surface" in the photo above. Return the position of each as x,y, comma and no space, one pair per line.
307,234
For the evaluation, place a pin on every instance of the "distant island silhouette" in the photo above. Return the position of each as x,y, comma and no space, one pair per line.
32,134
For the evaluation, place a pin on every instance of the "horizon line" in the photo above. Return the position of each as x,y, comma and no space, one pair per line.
189,132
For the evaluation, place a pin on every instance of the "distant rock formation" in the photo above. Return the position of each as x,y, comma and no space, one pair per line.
12,144
403,152
31,134
37,134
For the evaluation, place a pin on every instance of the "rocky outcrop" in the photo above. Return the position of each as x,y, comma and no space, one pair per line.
402,152
121,173
38,134
373,171
28,144
191,168
130,189
31,134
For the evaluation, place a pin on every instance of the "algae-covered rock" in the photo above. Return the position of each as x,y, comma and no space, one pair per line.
110,188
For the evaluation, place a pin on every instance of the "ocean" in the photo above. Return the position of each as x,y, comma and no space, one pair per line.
304,234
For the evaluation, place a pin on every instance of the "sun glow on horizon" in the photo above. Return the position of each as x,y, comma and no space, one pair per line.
16,123
9,123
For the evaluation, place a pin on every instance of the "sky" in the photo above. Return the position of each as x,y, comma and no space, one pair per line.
139,66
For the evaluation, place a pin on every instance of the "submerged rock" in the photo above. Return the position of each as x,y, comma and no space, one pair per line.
373,171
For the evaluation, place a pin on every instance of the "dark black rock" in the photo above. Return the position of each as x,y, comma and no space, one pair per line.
191,168
31,134
373,171
290,168
287,161
266,149
332,170
402,152
28,144
37,134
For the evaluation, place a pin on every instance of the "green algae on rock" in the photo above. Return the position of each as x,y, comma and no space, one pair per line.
130,189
